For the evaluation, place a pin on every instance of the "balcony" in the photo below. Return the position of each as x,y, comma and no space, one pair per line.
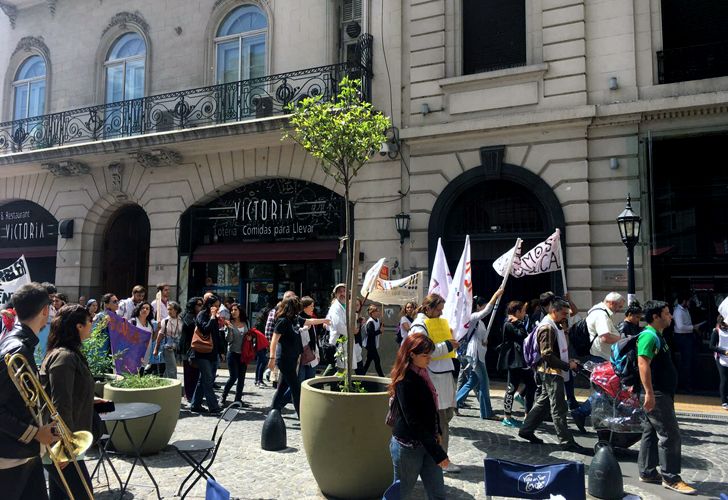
214,105
695,62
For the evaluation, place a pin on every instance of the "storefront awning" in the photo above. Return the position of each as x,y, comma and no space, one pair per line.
267,252
29,252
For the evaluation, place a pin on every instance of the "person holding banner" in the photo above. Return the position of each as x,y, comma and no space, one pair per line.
441,369
476,339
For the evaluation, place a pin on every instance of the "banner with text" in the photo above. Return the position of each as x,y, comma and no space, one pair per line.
543,258
401,291
130,341
13,277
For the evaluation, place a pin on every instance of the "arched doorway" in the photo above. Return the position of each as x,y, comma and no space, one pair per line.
495,203
126,251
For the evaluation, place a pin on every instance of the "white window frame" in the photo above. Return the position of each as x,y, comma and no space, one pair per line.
28,82
122,62
240,37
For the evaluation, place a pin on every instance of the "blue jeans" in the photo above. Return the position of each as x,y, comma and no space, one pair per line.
304,373
204,386
261,358
478,376
409,463
237,374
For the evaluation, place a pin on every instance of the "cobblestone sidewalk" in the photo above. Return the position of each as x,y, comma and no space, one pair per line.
251,473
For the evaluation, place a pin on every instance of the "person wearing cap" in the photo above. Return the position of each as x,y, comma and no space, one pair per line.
337,328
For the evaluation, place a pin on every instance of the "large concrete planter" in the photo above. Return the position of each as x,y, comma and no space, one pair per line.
345,437
99,384
168,397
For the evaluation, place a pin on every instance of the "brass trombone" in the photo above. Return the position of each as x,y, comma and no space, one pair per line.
71,444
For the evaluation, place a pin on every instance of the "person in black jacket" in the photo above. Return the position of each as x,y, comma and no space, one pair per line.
510,358
719,345
190,373
21,470
632,317
373,329
209,327
416,435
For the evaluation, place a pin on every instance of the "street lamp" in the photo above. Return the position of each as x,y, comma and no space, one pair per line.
629,229
402,222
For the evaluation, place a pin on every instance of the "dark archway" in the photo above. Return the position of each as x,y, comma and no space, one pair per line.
496,203
126,251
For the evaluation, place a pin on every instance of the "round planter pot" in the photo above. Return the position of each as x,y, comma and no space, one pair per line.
99,384
168,397
345,437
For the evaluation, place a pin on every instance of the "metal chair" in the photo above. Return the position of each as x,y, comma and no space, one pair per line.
191,449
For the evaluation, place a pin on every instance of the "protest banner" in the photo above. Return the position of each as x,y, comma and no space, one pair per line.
13,277
401,291
129,341
440,277
459,301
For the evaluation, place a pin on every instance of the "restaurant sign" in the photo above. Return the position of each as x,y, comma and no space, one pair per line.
24,223
273,210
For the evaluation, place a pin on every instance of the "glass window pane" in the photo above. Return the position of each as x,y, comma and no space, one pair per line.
254,50
115,83
21,102
242,19
37,98
134,80
228,62
128,45
33,67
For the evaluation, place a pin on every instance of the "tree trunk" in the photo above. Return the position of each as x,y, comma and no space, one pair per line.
350,311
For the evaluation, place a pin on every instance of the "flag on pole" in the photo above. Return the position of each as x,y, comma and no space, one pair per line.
440,277
501,263
459,301
401,291
370,278
543,258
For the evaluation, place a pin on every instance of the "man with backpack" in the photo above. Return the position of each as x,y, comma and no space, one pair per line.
658,377
602,334
553,368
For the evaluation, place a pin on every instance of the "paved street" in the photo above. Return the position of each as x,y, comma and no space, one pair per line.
250,473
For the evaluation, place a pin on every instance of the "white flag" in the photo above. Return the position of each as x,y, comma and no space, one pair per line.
543,258
401,291
501,263
440,277
370,278
13,277
723,309
459,301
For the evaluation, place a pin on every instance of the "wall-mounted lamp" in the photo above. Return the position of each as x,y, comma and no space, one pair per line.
390,147
613,163
402,222
613,83
425,109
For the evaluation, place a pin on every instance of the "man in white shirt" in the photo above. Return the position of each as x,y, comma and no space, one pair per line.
126,306
685,332
603,334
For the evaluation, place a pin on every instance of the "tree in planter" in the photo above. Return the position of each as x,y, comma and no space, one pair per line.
343,133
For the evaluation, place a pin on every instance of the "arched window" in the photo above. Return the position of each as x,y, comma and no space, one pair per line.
240,45
29,88
125,68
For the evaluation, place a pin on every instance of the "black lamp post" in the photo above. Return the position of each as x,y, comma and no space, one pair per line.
402,222
629,229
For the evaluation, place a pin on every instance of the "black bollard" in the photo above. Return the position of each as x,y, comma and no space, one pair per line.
274,432
605,475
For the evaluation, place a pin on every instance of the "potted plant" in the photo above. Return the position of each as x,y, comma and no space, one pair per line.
147,389
342,421
96,351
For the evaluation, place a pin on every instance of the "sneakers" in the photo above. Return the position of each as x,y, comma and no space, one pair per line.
725,406
681,487
654,479
511,422
518,398
530,437
452,468
580,421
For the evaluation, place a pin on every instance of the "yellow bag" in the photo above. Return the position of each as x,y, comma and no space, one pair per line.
438,330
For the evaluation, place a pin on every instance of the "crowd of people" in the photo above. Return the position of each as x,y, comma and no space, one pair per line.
432,376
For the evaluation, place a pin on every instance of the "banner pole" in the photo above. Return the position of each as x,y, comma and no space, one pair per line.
503,285
563,267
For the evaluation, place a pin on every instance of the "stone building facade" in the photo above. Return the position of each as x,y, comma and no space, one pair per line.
513,118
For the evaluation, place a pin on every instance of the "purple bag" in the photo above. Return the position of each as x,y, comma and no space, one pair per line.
531,351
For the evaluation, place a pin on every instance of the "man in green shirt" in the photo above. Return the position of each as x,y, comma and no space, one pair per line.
660,431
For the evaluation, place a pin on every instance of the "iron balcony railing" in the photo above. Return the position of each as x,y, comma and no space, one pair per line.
695,62
217,104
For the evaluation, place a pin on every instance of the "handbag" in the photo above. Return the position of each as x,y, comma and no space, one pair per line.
393,412
247,353
201,343
308,355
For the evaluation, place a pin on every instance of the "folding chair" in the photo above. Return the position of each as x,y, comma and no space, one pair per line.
392,492
190,449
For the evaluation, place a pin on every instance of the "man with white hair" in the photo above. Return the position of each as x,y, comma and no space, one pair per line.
602,334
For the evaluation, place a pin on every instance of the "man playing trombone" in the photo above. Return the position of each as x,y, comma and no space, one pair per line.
21,470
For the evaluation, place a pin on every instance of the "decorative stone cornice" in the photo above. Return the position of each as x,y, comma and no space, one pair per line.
157,158
29,43
67,168
670,114
218,3
11,11
122,19
116,171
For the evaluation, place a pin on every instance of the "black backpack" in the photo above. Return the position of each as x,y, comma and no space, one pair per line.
579,336
624,361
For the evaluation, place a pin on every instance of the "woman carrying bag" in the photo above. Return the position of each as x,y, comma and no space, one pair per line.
168,339
510,358
203,351
235,332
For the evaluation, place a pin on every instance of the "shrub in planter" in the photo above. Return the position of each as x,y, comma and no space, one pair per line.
148,389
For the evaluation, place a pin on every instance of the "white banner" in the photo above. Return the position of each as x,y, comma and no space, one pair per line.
370,279
13,277
459,303
501,263
401,291
440,277
543,258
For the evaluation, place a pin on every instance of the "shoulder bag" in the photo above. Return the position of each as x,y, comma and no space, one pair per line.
201,343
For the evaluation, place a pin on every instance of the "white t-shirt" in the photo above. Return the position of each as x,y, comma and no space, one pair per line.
404,321
599,323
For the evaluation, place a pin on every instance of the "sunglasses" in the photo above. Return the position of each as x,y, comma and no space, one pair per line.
114,301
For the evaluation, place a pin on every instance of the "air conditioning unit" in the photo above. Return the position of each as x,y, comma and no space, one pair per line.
350,28
165,122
